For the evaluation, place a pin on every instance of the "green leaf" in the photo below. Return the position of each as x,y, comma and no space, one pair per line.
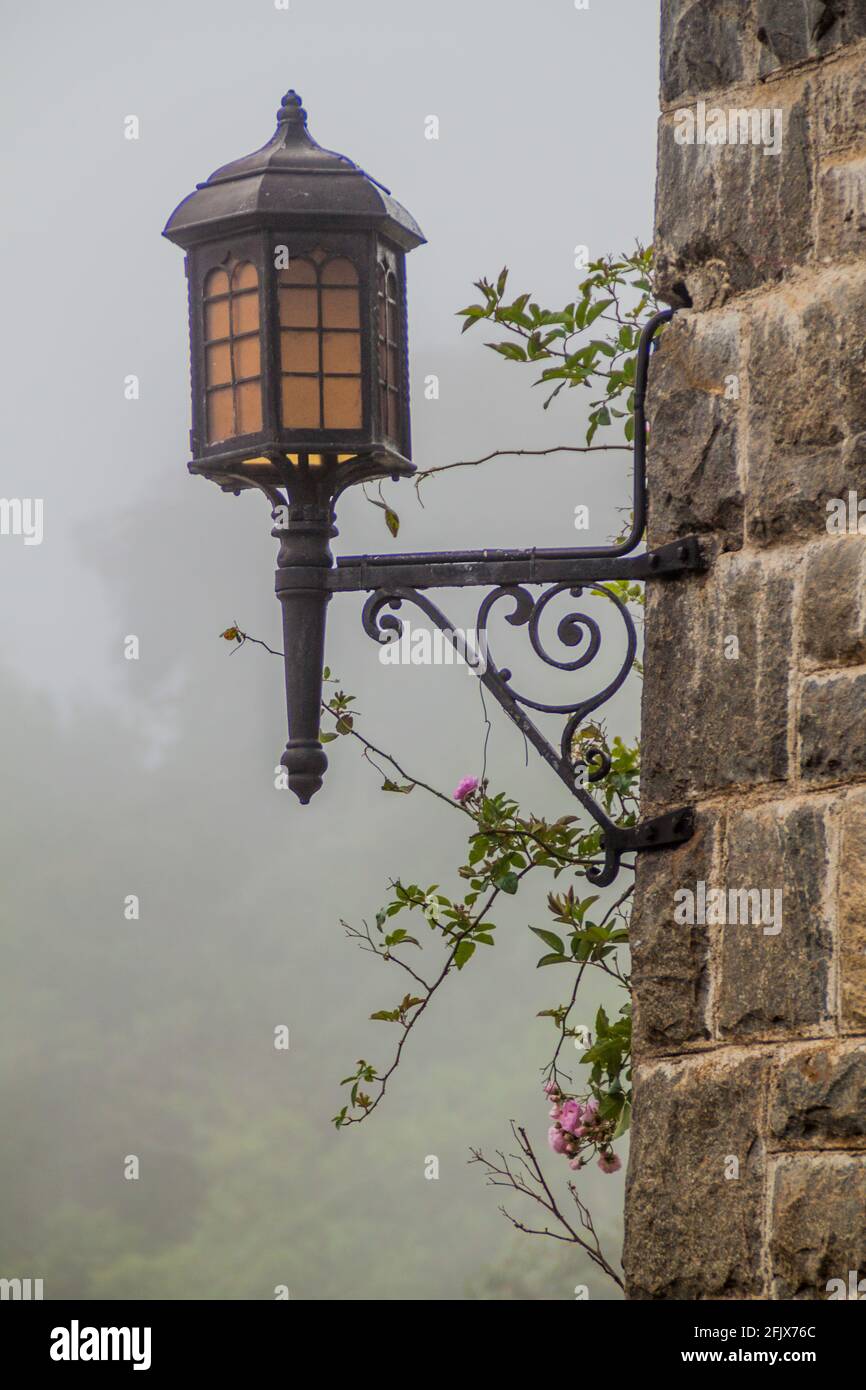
463,953
596,309
509,883
624,1121
550,939
392,521
553,960
512,351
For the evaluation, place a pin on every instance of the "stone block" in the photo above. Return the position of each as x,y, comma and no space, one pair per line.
693,1228
693,413
731,217
818,1097
793,31
852,914
833,618
772,983
833,729
818,1223
670,960
712,721
703,45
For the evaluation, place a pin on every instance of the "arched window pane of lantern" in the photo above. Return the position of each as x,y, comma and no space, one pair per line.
232,352
320,344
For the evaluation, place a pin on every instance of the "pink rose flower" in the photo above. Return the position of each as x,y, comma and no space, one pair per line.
609,1163
556,1112
557,1139
572,1114
590,1111
465,788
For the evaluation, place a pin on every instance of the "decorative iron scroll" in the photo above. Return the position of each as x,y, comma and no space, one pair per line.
576,629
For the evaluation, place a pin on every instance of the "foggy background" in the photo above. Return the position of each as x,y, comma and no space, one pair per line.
156,777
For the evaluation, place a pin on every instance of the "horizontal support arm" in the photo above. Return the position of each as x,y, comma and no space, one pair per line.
438,570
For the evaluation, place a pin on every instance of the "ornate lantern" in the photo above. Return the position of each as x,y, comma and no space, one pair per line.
299,363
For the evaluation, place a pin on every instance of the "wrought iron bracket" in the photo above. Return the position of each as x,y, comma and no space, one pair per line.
307,577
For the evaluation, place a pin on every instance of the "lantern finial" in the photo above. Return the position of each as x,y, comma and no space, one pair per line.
291,111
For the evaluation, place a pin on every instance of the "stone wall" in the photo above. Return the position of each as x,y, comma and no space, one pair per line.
748,1167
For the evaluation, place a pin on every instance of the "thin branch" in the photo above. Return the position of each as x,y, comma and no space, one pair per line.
369,747
424,473
528,1180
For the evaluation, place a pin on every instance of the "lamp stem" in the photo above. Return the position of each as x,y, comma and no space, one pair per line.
302,566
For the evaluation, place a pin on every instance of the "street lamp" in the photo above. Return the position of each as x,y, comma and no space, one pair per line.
300,387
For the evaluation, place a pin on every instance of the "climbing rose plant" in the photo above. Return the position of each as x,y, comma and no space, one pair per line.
590,344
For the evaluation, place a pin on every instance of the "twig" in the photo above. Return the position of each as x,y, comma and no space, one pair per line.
424,473
529,1181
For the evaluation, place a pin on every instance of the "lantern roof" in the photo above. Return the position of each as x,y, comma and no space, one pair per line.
290,181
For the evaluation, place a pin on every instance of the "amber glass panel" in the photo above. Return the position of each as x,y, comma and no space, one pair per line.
339,272
245,277
216,282
245,313
247,357
298,273
300,352
220,415
321,365
340,309
299,308
216,319
342,403
248,403
301,403
235,407
341,352
219,365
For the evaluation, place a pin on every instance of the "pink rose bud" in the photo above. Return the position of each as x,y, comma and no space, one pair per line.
572,1114
465,788
556,1139
609,1163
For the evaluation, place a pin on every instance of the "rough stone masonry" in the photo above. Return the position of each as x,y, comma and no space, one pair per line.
747,1176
